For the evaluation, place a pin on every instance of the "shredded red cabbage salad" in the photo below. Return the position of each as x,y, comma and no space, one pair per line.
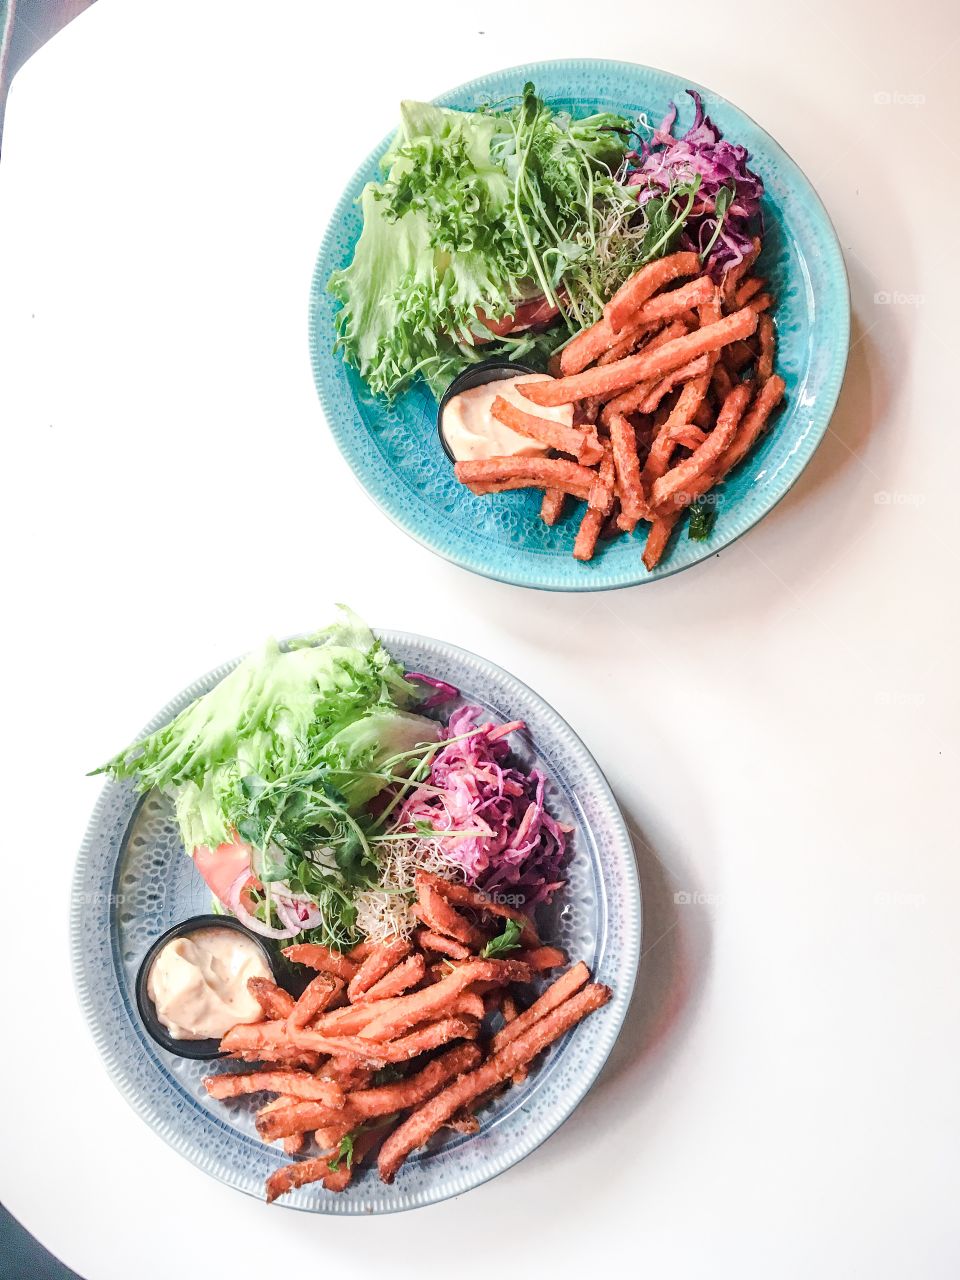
519,848
718,169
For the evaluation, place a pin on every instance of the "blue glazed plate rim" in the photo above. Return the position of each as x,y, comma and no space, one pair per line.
526,569
122,1059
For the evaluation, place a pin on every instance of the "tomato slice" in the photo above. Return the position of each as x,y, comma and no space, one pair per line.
223,866
528,315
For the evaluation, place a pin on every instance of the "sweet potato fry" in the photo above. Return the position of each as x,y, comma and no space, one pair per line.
602,344
329,1136
345,1071
379,960
705,457
429,1035
298,1117
623,438
661,450
292,1176
273,1000
601,501
667,306
611,378
588,533
257,1037
318,995
315,956
559,990
298,1084
629,401
582,445
352,1018
465,896
760,302
731,281
293,1143
623,306
427,940
318,1169
588,345
509,1010
751,286
753,423
687,435
767,339
415,1089
432,1115
665,385
551,508
432,1001
360,952
403,976
529,473
440,916
541,958
627,342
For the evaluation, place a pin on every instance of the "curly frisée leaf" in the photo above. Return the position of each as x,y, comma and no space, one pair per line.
331,703
477,213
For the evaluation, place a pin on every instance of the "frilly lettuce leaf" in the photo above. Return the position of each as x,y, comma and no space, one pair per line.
476,212
333,702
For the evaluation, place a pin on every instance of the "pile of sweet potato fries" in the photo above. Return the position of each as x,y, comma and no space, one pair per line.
352,1062
671,389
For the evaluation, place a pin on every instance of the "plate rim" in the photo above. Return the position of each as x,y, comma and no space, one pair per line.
810,441
117,1071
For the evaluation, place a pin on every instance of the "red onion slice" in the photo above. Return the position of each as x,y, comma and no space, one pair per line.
296,912
251,922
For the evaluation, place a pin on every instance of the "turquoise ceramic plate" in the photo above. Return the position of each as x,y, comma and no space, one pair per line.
133,882
394,450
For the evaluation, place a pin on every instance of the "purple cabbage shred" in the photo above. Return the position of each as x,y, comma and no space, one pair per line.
665,161
520,849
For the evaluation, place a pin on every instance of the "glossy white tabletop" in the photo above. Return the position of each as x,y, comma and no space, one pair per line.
779,723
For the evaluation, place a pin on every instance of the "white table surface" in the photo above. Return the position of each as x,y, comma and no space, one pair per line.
779,723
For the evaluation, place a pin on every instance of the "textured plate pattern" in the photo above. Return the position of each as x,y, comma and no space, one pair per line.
394,450
132,882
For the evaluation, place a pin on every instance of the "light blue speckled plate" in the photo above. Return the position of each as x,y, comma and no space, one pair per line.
133,882
394,450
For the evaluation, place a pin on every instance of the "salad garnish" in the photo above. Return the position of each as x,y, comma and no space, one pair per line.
310,789
503,231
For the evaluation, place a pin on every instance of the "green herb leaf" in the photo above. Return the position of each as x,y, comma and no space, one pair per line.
509,940
721,204
703,516
344,1152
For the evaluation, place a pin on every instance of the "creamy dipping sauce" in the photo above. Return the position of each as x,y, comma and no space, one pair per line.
471,431
198,983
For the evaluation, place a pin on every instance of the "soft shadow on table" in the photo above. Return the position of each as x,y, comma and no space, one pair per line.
674,960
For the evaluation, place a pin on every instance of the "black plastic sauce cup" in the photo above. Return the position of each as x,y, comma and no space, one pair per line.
199,1049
